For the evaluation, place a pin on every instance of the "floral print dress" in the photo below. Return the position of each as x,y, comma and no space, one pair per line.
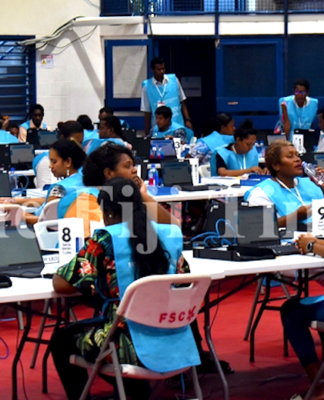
93,269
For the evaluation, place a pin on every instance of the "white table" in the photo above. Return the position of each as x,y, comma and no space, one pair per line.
219,269
28,290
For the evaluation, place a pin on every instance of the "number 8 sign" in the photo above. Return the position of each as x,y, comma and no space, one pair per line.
71,238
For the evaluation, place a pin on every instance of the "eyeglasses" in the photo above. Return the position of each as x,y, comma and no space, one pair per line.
303,92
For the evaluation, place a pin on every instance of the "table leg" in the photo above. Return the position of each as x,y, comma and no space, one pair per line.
211,346
19,350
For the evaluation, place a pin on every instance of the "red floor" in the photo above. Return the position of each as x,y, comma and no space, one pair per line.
271,376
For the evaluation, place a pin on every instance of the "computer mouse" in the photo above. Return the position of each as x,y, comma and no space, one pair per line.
236,185
5,281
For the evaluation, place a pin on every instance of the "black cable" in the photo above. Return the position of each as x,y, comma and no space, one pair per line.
7,349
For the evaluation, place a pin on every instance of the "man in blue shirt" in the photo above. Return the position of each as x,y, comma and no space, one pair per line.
36,115
163,90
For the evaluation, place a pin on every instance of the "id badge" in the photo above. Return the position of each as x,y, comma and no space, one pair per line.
160,103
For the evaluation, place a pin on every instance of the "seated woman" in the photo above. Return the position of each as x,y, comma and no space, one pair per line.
107,264
111,161
109,131
41,163
88,129
66,158
238,158
215,132
297,315
287,190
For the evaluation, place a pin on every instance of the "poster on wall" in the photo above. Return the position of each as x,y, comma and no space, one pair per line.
47,60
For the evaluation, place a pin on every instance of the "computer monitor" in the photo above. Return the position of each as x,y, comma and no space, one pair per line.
311,137
20,253
47,138
22,156
5,189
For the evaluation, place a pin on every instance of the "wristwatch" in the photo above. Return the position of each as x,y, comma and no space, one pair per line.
309,246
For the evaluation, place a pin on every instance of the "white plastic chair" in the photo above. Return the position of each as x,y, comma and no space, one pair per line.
204,171
49,211
11,213
47,234
143,302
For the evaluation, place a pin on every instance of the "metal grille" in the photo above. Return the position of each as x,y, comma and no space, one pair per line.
17,79
171,7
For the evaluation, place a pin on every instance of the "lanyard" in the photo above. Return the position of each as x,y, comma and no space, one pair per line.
298,196
238,160
163,93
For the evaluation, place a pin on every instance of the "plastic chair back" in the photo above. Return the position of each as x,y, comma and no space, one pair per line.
174,306
47,235
11,213
49,211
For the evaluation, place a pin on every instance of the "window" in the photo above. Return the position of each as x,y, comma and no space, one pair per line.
17,78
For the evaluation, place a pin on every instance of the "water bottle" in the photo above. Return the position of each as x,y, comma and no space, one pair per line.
159,153
153,152
261,149
310,170
153,176
13,178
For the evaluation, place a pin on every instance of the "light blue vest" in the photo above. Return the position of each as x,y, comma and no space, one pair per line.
6,137
284,200
215,140
172,128
68,199
38,158
236,161
26,125
170,98
93,144
70,184
300,117
87,135
151,344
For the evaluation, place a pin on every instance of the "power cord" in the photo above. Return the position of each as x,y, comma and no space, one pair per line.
212,239
7,349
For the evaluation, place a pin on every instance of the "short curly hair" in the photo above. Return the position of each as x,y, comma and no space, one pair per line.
273,154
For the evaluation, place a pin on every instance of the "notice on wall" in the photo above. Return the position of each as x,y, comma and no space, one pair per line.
191,86
47,60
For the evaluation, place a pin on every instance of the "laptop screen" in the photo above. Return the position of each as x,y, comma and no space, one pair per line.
47,138
33,138
21,155
273,138
4,156
176,173
5,190
311,137
141,147
257,225
20,253
167,146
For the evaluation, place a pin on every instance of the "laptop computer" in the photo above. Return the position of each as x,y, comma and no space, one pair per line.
128,134
47,138
20,253
273,138
166,149
258,227
32,138
21,156
311,137
5,189
141,148
179,174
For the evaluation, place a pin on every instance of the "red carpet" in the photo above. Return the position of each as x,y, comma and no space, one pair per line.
270,377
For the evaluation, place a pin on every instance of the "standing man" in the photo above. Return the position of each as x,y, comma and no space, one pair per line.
298,110
36,115
163,90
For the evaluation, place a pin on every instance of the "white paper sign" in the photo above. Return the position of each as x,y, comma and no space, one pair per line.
298,141
71,238
194,163
318,217
177,146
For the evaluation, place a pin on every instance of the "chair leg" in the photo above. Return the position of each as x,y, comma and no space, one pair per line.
119,379
197,388
40,333
255,302
315,383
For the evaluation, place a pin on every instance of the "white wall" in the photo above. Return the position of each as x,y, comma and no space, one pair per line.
75,85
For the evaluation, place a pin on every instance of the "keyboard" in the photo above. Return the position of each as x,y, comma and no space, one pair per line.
197,188
282,249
